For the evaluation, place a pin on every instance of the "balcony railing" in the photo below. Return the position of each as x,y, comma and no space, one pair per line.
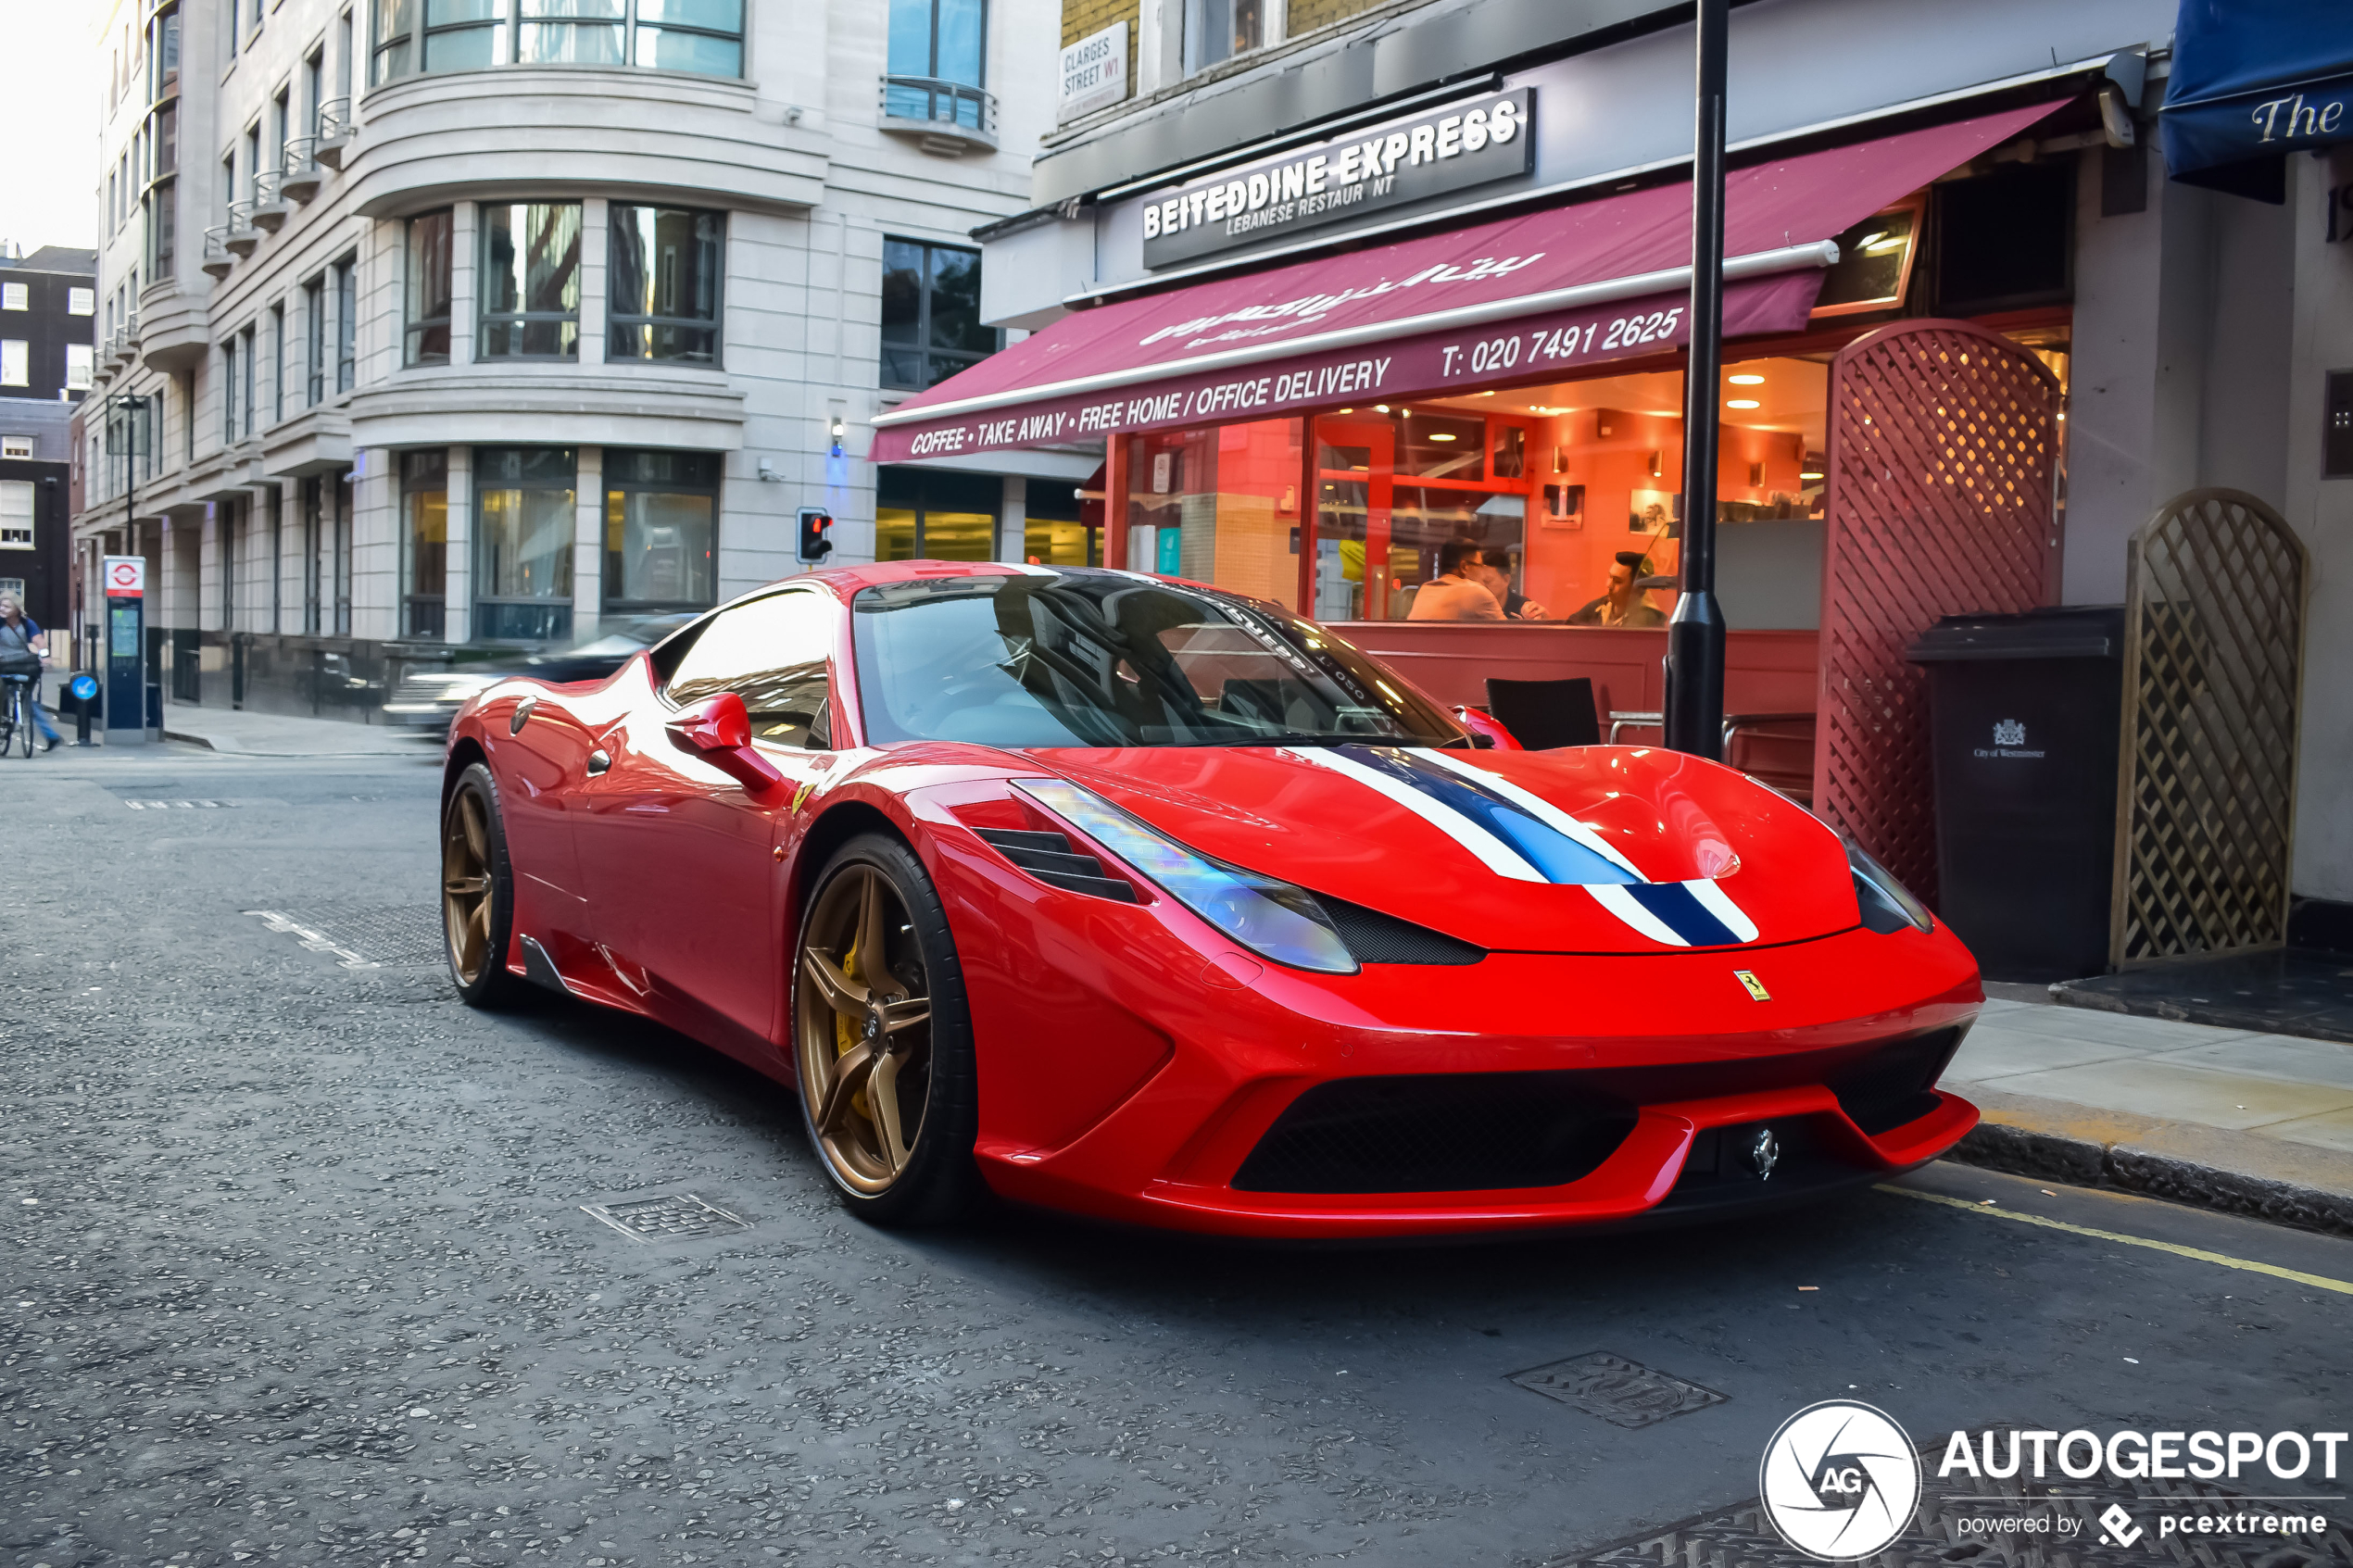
336,132
242,235
269,201
216,260
298,172
945,117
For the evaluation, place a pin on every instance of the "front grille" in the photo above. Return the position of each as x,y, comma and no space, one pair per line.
1463,1132
1895,1083
1049,858
1375,937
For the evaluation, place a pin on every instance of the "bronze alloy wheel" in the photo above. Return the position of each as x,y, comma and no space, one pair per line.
865,1029
465,885
477,891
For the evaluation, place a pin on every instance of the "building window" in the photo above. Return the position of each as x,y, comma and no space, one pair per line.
16,297
229,393
705,37
82,302
529,281
314,329
245,352
81,365
426,336
936,41
346,321
16,446
163,229
1218,30
662,530
926,514
524,523
931,323
665,267
16,363
424,542
16,520
277,363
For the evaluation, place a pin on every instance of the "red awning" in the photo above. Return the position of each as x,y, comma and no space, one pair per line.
1555,290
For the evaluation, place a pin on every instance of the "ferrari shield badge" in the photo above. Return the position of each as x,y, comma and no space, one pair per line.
1755,987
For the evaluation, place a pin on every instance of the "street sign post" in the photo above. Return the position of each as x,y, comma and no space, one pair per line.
125,578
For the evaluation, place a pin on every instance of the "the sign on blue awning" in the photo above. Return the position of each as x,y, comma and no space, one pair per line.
2254,80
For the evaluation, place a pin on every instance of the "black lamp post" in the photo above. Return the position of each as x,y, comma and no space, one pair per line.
1695,632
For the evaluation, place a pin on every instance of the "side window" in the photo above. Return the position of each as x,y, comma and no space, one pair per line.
771,653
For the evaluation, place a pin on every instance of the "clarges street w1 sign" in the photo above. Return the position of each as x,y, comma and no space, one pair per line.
1470,141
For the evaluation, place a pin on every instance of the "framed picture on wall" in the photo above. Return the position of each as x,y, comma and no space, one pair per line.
1564,506
1656,512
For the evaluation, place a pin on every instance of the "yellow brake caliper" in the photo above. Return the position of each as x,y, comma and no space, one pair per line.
844,1038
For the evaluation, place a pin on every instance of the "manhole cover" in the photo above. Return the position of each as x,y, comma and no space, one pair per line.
678,1217
1621,1392
1958,1526
363,935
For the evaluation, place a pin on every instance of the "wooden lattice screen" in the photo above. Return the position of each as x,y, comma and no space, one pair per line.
2213,661
1942,439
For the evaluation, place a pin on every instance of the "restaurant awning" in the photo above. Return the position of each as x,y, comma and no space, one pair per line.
1548,292
2254,80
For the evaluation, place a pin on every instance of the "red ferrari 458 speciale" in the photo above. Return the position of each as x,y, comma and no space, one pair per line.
1129,896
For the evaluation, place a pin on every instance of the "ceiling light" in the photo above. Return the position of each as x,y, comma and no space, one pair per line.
1883,247
1810,475
1742,403
1442,435
1347,411
1870,239
1380,407
1487,395
1746,379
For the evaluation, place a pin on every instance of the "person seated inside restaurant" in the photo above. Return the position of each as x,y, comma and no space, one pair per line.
1495,570
1622,606
1459,591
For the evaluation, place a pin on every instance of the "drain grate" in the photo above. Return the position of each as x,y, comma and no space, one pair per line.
363,935
1621,1392
2109,1525
677,1217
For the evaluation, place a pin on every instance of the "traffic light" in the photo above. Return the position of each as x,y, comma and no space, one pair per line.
815,524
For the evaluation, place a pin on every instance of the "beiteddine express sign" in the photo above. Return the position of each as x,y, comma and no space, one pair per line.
1468,143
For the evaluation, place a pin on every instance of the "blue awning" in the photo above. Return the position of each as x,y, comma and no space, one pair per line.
2254,80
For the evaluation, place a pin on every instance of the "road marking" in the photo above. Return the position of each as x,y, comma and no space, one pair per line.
2199,1253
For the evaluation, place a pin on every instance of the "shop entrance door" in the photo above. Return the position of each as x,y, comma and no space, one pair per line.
1943,443
1355,468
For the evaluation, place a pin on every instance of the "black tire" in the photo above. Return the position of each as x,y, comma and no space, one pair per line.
936,1181
477,923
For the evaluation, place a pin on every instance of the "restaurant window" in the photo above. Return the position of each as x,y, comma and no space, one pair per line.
662,530
425,334
524,523
424,542
1055,532
529,281
931,325
1218,30
931,514
666,266
705,37
937,44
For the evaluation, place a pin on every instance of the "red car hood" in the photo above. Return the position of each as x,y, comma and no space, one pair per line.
1597,850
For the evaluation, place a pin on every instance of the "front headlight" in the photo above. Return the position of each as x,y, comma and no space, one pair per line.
1269,917
1887,904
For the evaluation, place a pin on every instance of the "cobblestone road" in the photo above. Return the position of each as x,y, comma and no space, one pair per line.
299,1271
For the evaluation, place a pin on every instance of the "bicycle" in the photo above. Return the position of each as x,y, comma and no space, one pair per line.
16,713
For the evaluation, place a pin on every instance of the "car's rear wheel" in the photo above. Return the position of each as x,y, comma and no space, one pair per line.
882,1038
477,891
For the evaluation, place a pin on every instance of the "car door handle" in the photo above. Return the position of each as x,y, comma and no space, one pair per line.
599,761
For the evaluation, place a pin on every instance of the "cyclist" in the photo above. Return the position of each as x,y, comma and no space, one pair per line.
23,644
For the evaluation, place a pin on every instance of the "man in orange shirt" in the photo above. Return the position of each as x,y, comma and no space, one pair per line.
1456,593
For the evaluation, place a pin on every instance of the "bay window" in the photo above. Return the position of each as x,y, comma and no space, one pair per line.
529,281
664,266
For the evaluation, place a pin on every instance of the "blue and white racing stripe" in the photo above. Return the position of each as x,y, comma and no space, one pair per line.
1519,834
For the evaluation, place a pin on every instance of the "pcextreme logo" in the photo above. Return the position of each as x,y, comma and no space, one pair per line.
1840,1481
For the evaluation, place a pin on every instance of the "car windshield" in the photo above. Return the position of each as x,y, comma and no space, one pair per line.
1103,659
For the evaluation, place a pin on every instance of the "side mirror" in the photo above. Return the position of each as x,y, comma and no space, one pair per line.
719,731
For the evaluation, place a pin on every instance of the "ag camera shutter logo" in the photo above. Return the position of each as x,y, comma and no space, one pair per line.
1840,1481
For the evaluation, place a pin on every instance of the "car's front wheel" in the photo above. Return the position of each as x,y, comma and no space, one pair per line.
882,1038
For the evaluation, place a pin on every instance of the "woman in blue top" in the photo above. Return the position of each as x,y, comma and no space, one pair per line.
21,639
